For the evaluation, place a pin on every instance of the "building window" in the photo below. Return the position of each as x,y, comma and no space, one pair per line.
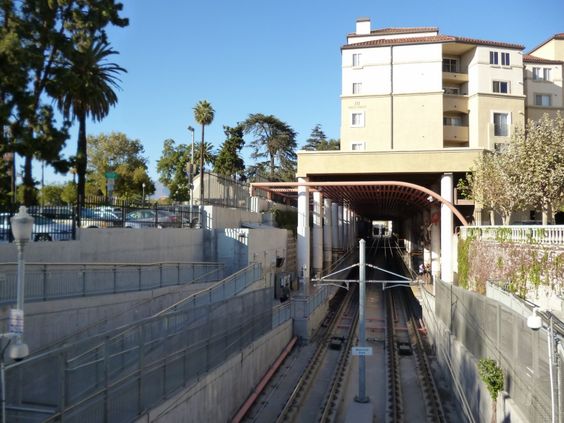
501,87
357,146
501,121
357,119
356,59
452,121
494,58
450,65
543,100
541,74
357,87
505,59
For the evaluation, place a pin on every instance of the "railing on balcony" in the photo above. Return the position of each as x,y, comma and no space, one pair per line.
455,103
455,77
455,133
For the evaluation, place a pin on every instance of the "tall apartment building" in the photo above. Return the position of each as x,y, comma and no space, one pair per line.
414,88
417,105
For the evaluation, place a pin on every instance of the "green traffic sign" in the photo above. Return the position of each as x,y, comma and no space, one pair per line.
111,175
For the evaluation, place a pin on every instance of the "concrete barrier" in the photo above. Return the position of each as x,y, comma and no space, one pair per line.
219,394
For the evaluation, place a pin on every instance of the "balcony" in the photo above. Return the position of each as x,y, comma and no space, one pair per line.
455,78
455,133
455,103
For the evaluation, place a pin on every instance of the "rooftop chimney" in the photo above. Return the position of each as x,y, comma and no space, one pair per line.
363,26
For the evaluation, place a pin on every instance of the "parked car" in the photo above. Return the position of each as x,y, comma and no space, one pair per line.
147,218
92,219
44,229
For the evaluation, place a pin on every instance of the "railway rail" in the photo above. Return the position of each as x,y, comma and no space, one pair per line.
322,393
401,315
330,359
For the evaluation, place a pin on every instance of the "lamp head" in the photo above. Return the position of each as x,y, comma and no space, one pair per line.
18,351
191,129
22,226
534,321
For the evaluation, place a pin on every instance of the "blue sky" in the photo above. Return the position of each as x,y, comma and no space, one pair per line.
271,57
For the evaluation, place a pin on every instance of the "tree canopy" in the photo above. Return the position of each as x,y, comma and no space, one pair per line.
117,153
228,161
89,92
528,173
37,38
318,141
274,146
204,114
173,169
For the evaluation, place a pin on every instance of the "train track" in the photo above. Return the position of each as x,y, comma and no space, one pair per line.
404,391
307,402
400,315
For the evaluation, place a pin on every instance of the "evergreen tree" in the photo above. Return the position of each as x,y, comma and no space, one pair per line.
36,37
274,141
228,161
318,141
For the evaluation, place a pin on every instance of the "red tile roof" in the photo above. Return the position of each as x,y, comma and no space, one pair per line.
390,31
534,59
429,40
559,36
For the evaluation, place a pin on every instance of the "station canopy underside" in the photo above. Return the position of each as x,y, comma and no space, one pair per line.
371,199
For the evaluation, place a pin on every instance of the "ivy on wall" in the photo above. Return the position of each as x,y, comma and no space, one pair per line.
519,268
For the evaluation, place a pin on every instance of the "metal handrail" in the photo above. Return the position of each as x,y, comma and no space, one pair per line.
48,281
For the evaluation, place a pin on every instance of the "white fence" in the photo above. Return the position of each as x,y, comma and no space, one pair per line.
551,235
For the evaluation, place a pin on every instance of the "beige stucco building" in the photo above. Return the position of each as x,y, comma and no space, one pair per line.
416,104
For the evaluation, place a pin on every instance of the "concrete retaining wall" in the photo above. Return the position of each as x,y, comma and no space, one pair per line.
221,217
458,367
116,245
219,394
237,247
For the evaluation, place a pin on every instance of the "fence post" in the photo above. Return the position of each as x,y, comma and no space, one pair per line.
139,276
156,216
141,367
178,273
83,280
160,275
106,379
114,270
44,282
63,389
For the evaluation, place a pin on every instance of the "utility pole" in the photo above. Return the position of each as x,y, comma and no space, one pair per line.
361,322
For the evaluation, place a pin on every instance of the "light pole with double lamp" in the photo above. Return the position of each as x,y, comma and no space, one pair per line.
190,173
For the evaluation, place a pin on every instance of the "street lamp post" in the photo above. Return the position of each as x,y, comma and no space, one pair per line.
22,225
143,200
191,172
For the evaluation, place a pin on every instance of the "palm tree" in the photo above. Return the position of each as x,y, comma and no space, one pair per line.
89,93
203,114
